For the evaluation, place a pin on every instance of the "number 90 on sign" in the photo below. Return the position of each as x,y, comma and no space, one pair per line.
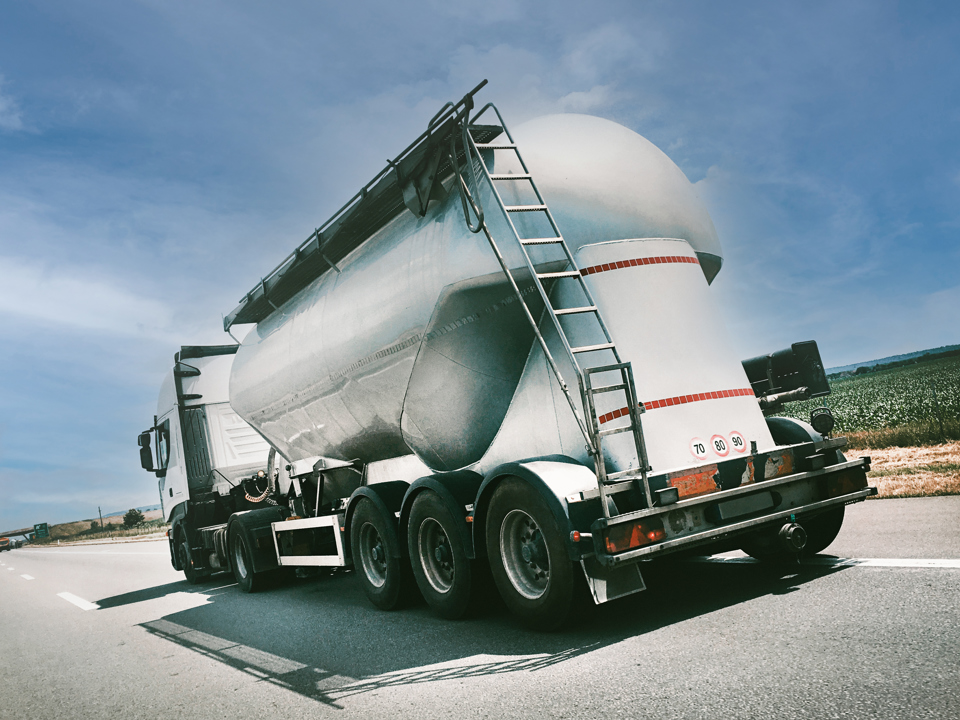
718,445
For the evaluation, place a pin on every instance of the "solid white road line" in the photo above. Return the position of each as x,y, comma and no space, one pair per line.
71,551
844,562
78,601
27,577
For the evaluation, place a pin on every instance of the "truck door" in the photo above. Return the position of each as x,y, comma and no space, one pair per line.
173,482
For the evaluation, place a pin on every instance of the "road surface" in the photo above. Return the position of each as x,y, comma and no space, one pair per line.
112,631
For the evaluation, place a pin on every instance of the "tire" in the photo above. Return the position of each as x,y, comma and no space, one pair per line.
376,556
240,561
441,568
528,556
822,530
192,575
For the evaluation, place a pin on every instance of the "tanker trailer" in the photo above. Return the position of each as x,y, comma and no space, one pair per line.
518,358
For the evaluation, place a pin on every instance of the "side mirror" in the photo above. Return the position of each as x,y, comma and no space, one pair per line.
146,454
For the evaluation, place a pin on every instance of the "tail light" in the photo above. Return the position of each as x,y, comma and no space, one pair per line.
628,536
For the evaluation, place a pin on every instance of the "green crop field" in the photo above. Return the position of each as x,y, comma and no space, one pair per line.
893,398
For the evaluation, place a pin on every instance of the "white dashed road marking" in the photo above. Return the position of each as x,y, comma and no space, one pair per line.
27,577
844,562
78,601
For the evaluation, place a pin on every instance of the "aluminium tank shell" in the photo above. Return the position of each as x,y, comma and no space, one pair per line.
418,343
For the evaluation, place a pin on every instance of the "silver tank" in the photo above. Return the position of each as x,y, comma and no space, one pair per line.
418,344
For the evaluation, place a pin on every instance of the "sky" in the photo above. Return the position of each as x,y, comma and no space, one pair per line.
157,157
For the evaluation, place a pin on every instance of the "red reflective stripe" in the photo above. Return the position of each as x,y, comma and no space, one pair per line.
636,262
681,400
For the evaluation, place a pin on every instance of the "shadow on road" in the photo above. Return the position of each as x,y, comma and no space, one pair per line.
322,639
162,591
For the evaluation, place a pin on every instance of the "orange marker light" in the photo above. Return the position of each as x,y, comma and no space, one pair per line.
629,536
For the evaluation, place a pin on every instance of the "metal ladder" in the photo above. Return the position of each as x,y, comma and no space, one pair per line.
609,483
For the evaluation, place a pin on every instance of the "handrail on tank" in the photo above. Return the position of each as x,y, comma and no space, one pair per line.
448,110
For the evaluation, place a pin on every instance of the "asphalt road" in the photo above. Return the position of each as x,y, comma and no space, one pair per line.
719,639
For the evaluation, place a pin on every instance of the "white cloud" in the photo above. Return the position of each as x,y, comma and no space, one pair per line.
77,299
599,96
599,52
10,113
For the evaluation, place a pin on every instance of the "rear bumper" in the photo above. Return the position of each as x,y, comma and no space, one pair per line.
707,519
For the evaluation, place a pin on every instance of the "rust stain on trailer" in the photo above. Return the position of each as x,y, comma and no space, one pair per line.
695,484
777,465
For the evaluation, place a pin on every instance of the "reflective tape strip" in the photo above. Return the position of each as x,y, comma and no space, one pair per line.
637,262
680,400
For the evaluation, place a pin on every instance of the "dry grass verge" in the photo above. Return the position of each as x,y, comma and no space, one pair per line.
906,436
914,471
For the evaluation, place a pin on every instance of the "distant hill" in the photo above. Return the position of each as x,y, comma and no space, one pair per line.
148,508
891,359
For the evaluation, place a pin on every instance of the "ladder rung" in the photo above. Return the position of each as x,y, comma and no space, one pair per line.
615,487
512,176
565,273
593,348
633,474
525,208
576,310
607,388
614,431
495,146
542,241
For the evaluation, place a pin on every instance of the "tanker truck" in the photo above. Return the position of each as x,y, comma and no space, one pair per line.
495,366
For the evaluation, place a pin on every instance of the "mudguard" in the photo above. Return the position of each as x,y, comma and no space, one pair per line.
457,490
790,431
555,477
387,496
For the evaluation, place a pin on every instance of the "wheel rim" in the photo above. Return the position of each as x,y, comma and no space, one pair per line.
524,553
373,556
239,557
436,555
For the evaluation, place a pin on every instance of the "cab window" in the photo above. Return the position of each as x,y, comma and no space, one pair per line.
163,445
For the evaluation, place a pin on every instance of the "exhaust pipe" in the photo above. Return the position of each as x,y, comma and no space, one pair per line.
793,538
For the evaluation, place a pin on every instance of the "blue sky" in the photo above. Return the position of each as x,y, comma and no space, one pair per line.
156,158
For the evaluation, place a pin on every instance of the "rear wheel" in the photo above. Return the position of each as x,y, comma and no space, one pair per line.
240,561
376,555
822,530
440,564
528,556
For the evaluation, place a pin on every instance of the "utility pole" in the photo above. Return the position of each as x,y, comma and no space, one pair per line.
101,518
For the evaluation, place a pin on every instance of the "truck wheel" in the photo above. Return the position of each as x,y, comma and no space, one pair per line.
528,557
440,564
247,580
376,553
192,575
821,531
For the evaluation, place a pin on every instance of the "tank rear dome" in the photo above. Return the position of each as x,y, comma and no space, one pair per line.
604,182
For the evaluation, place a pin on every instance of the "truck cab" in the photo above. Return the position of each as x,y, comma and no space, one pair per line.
200,451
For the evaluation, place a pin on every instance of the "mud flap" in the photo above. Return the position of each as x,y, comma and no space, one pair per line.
611,583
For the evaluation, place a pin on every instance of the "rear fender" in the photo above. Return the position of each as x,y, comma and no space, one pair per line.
555,477
790,431
386,496
457,490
